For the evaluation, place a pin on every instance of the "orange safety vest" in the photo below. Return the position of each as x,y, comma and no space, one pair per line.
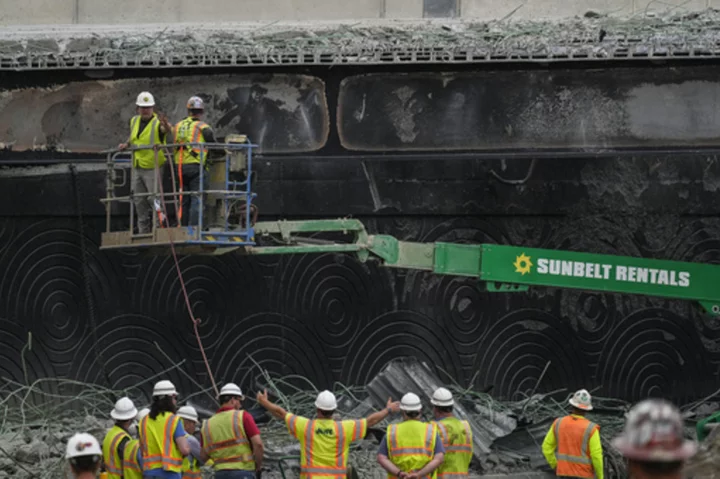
572,435
324,444
157,443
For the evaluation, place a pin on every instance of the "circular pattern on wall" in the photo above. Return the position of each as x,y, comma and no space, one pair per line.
517,347
13,340
334,294
220,289
655,352
280,344
7,232
456,302
127,344
399,334
42,286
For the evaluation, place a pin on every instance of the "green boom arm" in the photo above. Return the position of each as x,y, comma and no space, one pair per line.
504,268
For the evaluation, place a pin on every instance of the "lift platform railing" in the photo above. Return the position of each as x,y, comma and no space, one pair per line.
224,191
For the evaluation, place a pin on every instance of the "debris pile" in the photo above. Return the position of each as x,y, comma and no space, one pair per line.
592,36
38,419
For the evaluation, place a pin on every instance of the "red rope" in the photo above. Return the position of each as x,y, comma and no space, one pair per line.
195,320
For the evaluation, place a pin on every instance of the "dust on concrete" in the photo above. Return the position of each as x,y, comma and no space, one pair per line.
359,41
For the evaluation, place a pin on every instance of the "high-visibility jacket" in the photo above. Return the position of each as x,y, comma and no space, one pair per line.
157,443
572,452
225,441
411,446
189,130
149,136
111,458
131,467
456,436
324,444
191,467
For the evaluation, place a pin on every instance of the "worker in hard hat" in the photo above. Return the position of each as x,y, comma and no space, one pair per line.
162,437
325,442
192,462
411,449
117,437
232,439
146,129
132,457
84,455
455,434
191,159
572,446
653,442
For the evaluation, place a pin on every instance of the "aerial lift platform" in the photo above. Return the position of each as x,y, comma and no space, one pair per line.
228,224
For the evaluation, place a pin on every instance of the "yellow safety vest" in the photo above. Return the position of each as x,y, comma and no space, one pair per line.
131,468
157,443
456,436
224,440
191,467
113,462
145,159
324,444
189,130
411,446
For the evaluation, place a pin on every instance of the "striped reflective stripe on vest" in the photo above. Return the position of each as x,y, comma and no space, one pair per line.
309,467
116,466
238,439
585,441
150,462
399,451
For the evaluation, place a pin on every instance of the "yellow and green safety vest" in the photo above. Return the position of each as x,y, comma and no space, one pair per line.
189,130
456,436
131,468
324,444
411,446
157,443
225,441
150,135
191,467
111,459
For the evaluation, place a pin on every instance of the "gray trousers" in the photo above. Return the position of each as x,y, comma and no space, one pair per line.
143,181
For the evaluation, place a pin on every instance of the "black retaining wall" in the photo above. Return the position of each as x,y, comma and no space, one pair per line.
330,318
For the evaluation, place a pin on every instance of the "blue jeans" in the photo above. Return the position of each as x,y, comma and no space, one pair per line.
191,182
234,474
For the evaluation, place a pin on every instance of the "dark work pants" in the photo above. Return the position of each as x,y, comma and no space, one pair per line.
191,182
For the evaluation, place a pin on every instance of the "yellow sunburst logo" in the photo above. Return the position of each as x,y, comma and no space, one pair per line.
522,264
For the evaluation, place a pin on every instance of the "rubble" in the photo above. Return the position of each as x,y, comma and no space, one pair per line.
38,421
592,36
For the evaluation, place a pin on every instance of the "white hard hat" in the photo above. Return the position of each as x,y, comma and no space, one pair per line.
410,402
231,389
124,410
442,397
143,412
195,103
188,412
83,444
581,400
145,99
326,401
164,388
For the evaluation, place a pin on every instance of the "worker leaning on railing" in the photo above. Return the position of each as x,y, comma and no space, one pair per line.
146,129
189,159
